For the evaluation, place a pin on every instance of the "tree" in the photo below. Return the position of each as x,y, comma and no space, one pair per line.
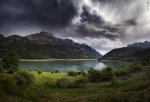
10,62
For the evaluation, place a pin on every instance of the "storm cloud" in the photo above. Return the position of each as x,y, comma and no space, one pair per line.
43,13
102,24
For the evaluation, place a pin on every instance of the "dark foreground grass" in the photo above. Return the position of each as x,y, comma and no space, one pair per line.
59,87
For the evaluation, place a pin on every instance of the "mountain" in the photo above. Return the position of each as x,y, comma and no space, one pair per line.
45,45
145,44
131,52
123,54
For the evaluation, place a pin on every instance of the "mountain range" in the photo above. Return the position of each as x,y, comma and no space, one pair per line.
144,45
45,45
132,52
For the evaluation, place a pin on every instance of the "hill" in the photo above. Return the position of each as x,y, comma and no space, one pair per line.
132,52
45,45
123,54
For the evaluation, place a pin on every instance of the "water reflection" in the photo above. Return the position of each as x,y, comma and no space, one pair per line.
66,65
100,66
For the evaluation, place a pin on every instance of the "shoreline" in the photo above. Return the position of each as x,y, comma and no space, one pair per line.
113,61
55,59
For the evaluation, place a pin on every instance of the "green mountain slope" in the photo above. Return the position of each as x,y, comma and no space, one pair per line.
45,45
123,54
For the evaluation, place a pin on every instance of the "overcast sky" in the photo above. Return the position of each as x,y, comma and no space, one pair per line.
102,24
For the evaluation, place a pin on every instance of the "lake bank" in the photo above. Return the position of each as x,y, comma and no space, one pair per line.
113,61
55,59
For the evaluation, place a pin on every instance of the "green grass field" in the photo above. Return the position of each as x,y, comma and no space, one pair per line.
32,86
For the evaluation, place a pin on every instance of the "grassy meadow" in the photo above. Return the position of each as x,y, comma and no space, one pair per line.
129,83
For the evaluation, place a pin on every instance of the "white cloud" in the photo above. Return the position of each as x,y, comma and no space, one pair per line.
119,12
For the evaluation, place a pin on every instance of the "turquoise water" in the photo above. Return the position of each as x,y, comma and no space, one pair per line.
66,65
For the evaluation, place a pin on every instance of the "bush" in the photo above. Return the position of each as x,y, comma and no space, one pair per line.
94,75
56,71
1,70
100,75
81,73
127,71
121,73
66,83
39,72
146,70
134,68
114,81
10,62
71,73
24,78
80,83
63,83
7,84
107,74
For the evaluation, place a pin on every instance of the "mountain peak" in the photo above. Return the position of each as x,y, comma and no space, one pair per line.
144,45
42,37
41,34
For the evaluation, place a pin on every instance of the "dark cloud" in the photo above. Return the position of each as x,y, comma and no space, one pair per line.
105,1
117,22
94,26
131,22
47,13
111,1
91,16
86,31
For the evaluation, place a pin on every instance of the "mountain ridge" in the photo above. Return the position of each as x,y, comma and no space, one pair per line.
132,52
45,45
144,45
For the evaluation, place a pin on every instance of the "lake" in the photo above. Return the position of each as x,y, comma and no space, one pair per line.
66,65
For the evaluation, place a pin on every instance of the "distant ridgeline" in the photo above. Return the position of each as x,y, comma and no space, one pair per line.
144,45
45,45
136,51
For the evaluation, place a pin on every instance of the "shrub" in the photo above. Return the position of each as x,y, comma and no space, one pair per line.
63,83
134,68
10,62
24,78
66,83
121,73
146,70
81,72
39,72
80,83
56,71
7,83
94,75
114,81
107,74
100,75
49,83
71,73
1,69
